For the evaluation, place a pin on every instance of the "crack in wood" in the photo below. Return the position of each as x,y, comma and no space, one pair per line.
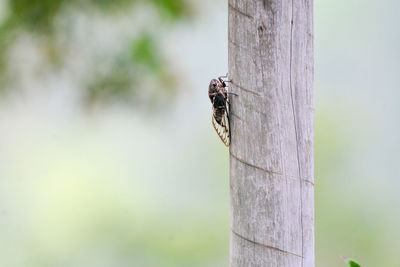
271,171
264,245
266,4
296,132
234,115
245,89
240,11
254,166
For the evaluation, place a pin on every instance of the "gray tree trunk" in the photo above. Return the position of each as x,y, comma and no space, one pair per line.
271,154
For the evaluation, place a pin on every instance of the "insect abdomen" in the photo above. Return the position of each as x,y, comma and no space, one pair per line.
219,108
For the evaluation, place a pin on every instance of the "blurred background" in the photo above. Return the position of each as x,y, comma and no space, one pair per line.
108,157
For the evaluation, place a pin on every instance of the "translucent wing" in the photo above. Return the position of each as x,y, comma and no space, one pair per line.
222,128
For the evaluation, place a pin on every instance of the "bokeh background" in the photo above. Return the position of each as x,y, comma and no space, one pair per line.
108,157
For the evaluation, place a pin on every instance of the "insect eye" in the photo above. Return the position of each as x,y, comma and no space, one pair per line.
214,84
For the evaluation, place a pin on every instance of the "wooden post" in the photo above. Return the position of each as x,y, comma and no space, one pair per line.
271,154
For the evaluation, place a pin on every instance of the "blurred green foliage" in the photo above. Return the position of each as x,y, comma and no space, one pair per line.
351,263
137,66
142,57
35,15
144,52
171,8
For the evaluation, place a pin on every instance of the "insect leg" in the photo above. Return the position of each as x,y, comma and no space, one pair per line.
225,76
220,78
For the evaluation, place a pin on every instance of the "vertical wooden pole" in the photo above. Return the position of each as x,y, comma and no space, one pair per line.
271,154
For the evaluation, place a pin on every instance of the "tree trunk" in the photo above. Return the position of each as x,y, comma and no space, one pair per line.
271,154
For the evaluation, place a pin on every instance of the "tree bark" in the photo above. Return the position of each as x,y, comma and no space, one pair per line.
271,153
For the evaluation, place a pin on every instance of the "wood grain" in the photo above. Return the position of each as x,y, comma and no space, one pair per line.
271,154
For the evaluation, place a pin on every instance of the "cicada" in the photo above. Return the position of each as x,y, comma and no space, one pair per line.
218,94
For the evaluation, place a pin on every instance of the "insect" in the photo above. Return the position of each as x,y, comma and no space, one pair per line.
218,94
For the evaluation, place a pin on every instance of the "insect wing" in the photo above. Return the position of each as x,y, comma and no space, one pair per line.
223,128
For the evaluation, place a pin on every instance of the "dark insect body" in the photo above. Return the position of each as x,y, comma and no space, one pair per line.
218,94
